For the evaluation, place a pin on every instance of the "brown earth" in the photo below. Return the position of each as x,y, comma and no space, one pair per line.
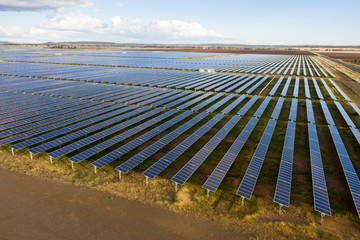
35,208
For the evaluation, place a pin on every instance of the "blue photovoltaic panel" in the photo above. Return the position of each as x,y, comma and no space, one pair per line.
239,83
296,87
124,149
95,127
293,109
339,89
318,92
247,84
183,99
286,87
107,132
348,168
283,186
248,183
327,114
248,105
307,89
149,151
277,109
356,134
276,86
234,104
345,115
221,102
192,102
309,111
321,198
186,172
257,85
328,89
208,101
216,177
165,161
357,110
237,80
262,107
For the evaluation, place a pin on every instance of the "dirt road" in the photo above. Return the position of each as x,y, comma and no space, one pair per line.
34,208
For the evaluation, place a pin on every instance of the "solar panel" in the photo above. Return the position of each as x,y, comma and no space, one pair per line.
296,87
183,99
146,153
318,92
349,122
328,89
321,199
262,107
357,110
348,168
248,84
239,83
192,102
327,114
307,89
117,153
276,86
293,109
217,176
186,172
277,109
340,91
309,111
248,182
257,85
220,103
208,101
165,161
107,132
234,104
283,186
248,105
286,87
237,78
66,129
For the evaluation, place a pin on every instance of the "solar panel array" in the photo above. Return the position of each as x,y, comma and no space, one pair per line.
106,113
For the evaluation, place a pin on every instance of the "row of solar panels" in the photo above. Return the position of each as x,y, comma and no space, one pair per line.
279,64
250,177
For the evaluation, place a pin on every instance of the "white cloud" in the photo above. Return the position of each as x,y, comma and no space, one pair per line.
74,21
10,30
64,25
173,29
38,5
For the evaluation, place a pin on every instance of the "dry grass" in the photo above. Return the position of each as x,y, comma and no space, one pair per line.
259,216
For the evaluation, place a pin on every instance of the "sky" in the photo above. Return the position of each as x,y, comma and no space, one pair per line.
275,22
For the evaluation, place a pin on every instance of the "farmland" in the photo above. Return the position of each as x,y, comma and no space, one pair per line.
263,133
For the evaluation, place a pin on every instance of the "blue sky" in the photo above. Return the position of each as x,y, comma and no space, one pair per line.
159,21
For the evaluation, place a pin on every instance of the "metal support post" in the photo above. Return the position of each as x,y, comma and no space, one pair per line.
207,193
242,201
12,151
50,160
176,187
120,175
280,206
95,169
322,217
147,181
72,164
31,156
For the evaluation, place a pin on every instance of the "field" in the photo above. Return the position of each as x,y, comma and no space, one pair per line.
153,118
351,57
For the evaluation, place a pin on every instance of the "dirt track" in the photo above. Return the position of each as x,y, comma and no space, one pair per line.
34,208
